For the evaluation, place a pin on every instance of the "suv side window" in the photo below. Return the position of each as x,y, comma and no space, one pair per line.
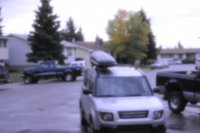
90,85
86,78
85,81
1,68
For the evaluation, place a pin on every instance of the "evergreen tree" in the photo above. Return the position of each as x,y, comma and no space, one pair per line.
45,39
180,46
151,51
99,41
1,27
70,33
79,35
151,47
71,29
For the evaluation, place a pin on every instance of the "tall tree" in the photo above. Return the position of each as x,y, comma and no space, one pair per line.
45,39
1,27
71,29
70,33
180,46
79,35
128,35
99,41
151,46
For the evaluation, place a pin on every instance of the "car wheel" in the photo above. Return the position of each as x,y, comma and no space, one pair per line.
176,102
28,80
69,77
35,81
6,80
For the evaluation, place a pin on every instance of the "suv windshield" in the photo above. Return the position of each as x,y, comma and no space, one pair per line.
122,86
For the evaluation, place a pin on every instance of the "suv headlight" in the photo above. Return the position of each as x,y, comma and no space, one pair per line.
158,114
106,116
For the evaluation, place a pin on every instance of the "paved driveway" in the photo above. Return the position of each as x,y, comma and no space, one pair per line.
52,107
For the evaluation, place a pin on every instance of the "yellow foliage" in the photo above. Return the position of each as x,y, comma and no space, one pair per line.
128,34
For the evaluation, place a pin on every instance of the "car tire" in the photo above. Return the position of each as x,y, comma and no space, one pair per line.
6,80
28,80
69,77
35,81
176,102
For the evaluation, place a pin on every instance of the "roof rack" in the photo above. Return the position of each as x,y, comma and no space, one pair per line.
101,59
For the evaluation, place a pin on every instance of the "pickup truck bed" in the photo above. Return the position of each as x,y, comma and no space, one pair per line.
179,88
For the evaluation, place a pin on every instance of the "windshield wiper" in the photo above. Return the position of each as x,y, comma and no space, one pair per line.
133,94
128,95
107,96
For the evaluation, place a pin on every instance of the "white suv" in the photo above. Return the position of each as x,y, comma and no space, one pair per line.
119,98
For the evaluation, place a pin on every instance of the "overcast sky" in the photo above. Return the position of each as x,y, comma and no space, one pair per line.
171,20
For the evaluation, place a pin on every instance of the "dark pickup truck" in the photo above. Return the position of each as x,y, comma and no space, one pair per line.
179,88
49,69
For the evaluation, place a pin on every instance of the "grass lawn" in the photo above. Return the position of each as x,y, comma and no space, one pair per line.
16,77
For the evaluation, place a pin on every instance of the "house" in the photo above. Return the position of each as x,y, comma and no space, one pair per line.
69,51
3,50
189,54
18,47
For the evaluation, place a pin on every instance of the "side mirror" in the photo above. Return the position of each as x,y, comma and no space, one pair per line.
156,90
86,91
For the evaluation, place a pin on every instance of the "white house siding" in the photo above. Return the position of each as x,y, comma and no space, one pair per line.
3,53
69,51
84,54
3,50
18,48
69,54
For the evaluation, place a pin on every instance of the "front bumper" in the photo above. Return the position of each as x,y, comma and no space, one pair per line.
146,128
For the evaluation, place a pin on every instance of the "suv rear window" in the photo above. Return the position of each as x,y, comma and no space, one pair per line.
122,86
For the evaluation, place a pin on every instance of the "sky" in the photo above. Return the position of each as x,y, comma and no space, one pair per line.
172,21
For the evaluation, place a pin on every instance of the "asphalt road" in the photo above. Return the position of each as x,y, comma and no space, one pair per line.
52,107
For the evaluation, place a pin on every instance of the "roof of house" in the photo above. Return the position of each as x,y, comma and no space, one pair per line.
20,36
180,51
87,46
3,37
91,46
68,44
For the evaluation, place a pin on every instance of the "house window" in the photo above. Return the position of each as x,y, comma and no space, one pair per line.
3,44
69,52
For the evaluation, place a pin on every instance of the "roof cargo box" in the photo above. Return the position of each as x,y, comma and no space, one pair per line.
102,59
